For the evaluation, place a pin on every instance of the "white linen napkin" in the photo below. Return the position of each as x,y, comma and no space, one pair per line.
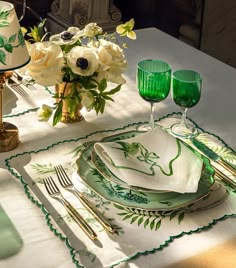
153,160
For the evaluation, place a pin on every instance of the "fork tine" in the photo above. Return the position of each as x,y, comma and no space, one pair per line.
50,186
16,87
20,90
62,176
45,181
53,185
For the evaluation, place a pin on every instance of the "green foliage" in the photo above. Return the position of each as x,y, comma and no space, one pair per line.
58,113
12,38
37,33
3,19
21,38
9,44
149,219
102,95
43,169
2,57
79,149
8,48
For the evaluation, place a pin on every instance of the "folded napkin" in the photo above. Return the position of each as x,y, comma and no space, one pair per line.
153,160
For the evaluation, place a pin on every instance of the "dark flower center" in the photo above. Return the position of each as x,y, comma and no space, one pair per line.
82,63
66,36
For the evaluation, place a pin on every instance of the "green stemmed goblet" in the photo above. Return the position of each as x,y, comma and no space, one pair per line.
153,82
186,93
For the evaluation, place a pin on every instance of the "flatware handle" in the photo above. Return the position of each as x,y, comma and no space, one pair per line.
227,166
80,220
225,178
95,212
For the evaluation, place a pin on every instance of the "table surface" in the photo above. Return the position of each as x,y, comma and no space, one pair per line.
215,113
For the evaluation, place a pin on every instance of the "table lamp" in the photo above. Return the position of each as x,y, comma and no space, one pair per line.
13,55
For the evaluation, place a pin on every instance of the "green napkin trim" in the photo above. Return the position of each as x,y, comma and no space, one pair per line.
143,155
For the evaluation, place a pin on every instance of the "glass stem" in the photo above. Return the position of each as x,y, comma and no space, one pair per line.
24,4
183,118
152,122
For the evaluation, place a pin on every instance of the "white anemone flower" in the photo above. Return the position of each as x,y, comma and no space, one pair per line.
82,61
68,37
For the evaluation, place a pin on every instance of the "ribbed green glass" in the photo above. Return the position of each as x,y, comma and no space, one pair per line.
153,80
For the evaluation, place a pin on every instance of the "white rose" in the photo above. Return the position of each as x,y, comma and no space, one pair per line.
112,61
82,61
46,63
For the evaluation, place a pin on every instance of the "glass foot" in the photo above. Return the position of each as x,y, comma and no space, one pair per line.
184,131
146,127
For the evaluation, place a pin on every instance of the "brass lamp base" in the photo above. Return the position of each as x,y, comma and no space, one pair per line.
9,137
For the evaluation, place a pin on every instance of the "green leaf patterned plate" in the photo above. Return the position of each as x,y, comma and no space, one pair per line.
138,199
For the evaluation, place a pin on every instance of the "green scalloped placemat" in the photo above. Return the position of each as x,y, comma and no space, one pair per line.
127,220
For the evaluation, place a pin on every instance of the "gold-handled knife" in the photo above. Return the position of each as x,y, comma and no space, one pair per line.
225,178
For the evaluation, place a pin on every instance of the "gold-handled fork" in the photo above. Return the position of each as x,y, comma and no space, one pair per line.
68,185
54,192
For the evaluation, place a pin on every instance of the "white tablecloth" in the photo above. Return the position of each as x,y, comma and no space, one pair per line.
215,113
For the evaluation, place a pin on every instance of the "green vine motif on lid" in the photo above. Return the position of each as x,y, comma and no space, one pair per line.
3,18
143,155
8,44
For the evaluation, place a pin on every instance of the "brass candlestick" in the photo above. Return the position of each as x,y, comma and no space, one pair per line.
9,134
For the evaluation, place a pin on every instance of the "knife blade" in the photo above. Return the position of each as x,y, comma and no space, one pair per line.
208,152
